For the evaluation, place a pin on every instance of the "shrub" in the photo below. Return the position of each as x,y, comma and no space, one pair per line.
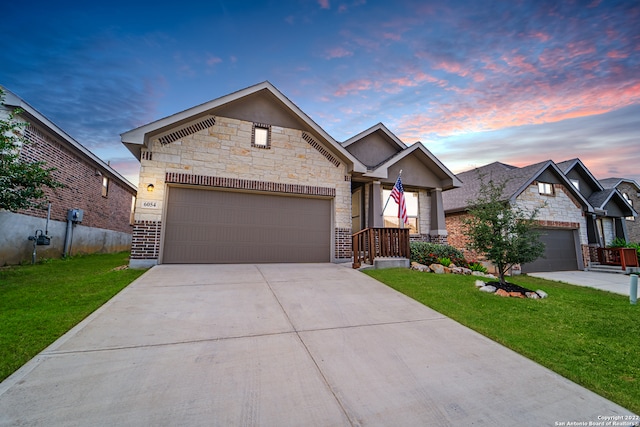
444,261
621,243
477,266
429,253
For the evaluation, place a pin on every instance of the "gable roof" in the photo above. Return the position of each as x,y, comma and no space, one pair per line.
14,101
447,177
611,198
569,165
139,137
376,128
516,179
614,182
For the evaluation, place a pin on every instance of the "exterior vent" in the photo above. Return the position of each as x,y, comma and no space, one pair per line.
146,155
320,149
186,131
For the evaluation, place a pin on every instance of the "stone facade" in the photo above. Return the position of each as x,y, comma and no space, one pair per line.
222,155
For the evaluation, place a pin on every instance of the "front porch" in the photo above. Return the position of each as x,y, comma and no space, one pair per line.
376,243
613,260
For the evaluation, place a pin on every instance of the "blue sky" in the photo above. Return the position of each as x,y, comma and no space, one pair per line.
476,81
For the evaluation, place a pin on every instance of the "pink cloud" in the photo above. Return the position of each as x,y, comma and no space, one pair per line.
324,4
392,36
213,60
616,54
354,86
338,52
453,68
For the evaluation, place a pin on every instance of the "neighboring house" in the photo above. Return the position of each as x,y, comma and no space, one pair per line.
250,178
91,185
577,215
607,221
561,218
630,191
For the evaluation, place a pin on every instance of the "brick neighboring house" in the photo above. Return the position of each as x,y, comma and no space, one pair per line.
104,196
249,178
542,185
577,214
630,191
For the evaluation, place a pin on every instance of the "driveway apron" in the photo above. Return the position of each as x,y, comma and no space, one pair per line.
283,345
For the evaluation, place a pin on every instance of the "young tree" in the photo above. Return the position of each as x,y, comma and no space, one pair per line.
501,231
21,182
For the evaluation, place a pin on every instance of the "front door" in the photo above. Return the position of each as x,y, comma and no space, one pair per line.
356,211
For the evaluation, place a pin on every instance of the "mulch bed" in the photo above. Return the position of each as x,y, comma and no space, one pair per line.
510,287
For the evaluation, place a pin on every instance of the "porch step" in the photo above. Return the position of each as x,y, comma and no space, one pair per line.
602,268
391,262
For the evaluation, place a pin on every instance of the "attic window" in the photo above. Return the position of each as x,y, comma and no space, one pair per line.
576,183
261,136
545,188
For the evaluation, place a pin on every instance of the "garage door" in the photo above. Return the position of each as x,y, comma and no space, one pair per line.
211,226
560,252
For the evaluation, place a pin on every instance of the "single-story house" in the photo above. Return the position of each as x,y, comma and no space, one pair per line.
576,214
630,191
93,190
250,178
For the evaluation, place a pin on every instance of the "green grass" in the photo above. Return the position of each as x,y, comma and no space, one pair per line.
39,303
588,336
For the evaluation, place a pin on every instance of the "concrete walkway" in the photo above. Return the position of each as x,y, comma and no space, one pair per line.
282,345
616,283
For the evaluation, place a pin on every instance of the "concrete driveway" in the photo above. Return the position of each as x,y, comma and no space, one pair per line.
611,282
282,345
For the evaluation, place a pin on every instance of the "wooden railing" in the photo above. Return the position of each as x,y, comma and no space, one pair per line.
624,257
380,242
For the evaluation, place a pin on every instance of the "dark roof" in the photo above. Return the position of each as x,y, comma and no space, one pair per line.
599,199
610,182
517,179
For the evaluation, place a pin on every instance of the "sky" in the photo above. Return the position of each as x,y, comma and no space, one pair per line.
518,81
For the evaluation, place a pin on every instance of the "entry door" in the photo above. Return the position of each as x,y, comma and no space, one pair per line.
356,210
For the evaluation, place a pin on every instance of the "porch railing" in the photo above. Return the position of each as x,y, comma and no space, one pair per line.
371,243
624,257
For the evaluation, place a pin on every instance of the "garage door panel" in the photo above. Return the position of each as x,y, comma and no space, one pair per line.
560,252
209,226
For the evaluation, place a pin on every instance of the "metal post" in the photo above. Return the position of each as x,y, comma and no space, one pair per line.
633,289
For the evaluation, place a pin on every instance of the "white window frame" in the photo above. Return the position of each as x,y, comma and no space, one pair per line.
545,188
105,186
576,183
261,136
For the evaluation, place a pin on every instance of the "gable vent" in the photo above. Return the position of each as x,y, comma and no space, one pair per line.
186,131
320,148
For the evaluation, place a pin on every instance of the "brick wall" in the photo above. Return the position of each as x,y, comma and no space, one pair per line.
83,188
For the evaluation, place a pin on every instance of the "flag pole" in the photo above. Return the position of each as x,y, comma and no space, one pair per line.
387,202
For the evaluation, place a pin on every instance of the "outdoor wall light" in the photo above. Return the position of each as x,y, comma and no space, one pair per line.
150,188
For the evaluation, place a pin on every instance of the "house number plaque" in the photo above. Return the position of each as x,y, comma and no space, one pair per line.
150,204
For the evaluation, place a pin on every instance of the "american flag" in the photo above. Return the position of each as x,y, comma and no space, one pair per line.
398,195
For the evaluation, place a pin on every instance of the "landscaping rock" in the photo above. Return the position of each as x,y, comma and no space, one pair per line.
437,268
490,276
542,294
477,273
516,294
490,289
502,293
419,267
466,271
532,295
480,284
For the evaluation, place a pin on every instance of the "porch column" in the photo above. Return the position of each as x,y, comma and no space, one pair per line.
375,205
438,229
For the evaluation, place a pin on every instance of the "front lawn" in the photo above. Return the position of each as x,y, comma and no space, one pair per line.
588,336
39,303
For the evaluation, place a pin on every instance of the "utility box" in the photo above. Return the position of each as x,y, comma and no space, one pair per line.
75,215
